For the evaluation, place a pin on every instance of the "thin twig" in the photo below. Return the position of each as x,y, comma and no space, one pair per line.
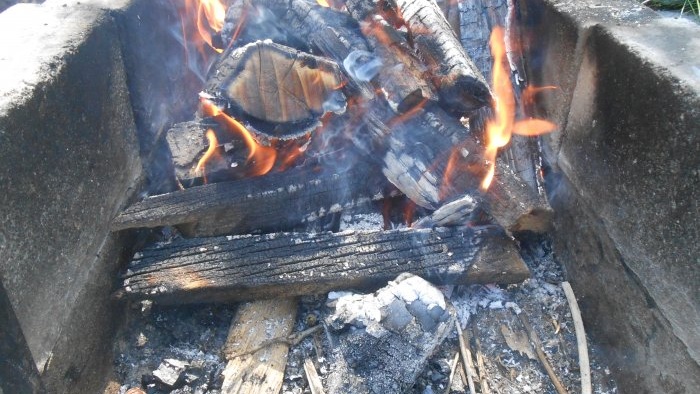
315,384
584,365
467,358
290,340
535,340
483,380
453,369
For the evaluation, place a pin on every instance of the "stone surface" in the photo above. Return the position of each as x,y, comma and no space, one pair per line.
68,162
626,178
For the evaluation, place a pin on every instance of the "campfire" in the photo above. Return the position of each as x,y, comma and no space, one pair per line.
312,112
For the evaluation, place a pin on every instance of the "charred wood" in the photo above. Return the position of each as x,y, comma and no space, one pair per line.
278,85
461,86
275,202
401,76
289,264
333,33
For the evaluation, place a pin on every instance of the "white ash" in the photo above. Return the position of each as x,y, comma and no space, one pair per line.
361,222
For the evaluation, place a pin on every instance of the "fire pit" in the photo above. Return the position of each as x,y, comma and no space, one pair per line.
344,147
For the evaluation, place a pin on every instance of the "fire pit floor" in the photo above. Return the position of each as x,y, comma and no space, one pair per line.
186,343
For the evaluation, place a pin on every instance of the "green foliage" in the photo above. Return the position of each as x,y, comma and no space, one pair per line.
691,6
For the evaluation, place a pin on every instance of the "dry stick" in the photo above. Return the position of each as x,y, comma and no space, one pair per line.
540,353
315,384
466,358
584,365
480,363
453,369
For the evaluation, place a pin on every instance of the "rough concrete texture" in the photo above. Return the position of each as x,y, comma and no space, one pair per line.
629,106
68,161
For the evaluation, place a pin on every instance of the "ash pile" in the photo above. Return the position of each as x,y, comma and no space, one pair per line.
346,154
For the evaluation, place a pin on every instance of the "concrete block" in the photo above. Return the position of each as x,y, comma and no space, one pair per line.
554,35
627,165
68,163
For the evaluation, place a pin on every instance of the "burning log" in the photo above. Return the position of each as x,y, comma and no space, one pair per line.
461,86
401,74
275,202
288,264
286,89
333,33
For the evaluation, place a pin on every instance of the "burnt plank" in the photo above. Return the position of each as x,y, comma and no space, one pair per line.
461,86
289,264
274,202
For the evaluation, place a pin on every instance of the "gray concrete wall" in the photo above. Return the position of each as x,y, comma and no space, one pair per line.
625,180
68,163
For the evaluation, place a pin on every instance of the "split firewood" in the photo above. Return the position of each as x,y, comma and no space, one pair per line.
401,75
252,368
461,86
450,9
312,377
281,86
483,376
289,264
274,202
537,344
467,362
582,344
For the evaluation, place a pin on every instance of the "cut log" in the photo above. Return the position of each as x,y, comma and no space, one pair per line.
277,85
401,75
252,367
461,86
275,202
289,264
333,33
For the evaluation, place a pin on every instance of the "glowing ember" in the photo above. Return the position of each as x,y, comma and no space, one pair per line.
260,158
503,125
211,150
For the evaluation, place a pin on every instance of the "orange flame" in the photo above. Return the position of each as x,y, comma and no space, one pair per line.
323,3
503,125
261,158
213,143
209,15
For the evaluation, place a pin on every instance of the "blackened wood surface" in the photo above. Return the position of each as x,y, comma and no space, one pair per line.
18,373
402,74
460,84
275,202
288,264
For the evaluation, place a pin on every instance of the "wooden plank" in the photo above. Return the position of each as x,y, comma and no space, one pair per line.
290,264
274,202
252,367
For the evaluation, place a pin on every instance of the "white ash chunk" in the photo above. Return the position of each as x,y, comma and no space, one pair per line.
391,335
170,371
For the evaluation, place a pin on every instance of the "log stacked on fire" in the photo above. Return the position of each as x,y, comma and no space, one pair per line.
313,110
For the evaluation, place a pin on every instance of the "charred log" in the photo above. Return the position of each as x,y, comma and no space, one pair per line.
333,33
401,76
288,264
461,86
285,88
275,202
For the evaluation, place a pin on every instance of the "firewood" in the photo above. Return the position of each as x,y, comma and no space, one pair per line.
401,75
289,264
275,202
276,84
252,368
335,34
461,86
